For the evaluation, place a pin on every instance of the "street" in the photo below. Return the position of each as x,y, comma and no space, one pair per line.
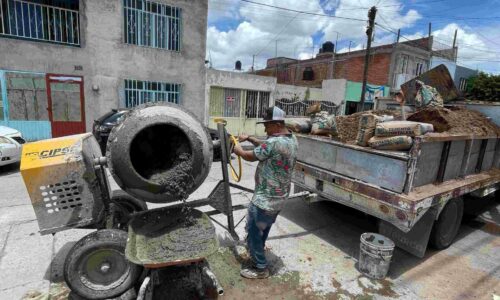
313,249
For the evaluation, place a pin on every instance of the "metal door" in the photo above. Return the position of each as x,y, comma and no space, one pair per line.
66,104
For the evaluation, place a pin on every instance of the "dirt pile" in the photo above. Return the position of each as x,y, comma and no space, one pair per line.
456,120
347,126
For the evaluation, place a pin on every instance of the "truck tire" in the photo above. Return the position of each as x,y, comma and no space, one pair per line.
446,227
126,205
96,266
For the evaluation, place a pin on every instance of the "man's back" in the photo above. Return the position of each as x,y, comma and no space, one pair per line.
277,157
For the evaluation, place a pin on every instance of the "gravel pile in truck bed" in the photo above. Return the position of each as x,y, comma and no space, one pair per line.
347,126
456,120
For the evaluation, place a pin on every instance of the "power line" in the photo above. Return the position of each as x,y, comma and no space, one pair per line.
277,35
303,12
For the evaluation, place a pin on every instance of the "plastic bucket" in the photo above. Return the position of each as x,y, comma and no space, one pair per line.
375,255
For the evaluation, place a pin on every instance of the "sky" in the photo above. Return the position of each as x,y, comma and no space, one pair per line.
241,30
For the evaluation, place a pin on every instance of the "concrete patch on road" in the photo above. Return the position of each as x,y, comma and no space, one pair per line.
24,260
444,276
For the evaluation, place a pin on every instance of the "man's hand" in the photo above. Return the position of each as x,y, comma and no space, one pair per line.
242,138
246,155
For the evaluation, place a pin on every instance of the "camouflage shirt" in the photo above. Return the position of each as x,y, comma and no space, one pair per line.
277,156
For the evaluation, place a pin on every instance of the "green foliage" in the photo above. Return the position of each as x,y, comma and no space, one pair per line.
485,87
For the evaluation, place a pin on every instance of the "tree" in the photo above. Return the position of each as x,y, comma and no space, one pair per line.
484,87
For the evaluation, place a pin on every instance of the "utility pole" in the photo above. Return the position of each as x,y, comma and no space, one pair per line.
430,29
369,31
253,64
276,63
454,44
399,34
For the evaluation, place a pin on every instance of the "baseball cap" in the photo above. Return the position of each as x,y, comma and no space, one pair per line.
273,114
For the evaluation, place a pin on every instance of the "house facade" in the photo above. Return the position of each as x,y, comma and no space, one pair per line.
390,65
65,63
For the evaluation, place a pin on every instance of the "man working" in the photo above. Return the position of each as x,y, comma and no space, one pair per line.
276,156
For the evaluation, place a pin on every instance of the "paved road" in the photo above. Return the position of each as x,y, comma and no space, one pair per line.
313,250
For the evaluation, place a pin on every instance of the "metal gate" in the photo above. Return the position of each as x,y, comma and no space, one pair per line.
66,105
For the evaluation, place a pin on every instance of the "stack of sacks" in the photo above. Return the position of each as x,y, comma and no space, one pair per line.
319,123
322,123
299,125
397,135
366,128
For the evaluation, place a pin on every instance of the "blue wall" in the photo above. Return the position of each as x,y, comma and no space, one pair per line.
31,130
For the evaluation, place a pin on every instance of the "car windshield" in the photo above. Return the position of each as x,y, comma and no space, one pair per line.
114,118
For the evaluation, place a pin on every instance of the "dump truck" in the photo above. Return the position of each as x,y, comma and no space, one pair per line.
417,195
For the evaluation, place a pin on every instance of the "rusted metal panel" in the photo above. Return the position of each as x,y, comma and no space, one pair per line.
428,163
382,170
438,77
489,154
414,241
455,156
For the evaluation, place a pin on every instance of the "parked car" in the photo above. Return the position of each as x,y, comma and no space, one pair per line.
102,127
12,133
10,151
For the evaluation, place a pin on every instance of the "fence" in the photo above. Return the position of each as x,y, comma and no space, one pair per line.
298,107
27,20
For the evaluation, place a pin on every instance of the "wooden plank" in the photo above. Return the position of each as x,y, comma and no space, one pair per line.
439,137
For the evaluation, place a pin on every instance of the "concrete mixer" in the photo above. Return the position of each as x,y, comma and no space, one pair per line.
158,153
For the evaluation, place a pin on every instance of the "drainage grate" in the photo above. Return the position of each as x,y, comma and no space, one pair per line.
61,196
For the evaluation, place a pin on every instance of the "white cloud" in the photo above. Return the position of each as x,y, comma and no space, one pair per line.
255,29
474,48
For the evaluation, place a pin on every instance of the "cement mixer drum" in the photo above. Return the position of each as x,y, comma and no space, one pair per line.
159,153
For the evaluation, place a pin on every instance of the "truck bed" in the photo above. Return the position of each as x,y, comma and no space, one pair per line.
399,187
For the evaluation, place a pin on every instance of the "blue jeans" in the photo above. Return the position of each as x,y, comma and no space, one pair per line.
259,224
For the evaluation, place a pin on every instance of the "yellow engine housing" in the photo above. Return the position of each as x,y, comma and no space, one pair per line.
64,188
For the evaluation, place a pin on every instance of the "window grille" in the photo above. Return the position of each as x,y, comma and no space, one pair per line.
152,24
257,103
139,92
295,107
40,22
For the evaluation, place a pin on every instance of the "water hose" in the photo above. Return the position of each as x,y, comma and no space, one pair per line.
236,176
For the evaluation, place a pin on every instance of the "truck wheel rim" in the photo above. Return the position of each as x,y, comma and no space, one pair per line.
104,269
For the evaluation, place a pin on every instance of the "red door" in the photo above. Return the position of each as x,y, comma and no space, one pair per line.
66,104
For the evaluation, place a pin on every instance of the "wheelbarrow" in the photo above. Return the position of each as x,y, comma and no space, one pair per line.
172,244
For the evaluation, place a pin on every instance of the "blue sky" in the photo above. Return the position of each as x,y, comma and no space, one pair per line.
238,30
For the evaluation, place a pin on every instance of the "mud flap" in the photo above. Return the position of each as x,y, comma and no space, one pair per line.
415,241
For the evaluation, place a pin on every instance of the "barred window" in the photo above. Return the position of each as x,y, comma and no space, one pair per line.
152,24
139,92
257,103
49,21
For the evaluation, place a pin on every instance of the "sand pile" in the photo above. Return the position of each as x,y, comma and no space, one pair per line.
347,126
456,120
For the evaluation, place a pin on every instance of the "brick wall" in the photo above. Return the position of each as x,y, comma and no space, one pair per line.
352,68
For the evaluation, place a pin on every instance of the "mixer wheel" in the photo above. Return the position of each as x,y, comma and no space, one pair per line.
96,266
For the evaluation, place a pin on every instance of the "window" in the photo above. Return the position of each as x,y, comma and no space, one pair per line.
257,103
463,84
403,64
419,67
139,92
152,24
54,21
308,74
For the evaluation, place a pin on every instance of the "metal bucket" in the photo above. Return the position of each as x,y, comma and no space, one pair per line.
375,255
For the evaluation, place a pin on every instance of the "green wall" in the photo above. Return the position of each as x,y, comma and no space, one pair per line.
353,91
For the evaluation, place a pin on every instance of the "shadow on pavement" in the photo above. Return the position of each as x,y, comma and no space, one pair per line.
342,226
9,169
